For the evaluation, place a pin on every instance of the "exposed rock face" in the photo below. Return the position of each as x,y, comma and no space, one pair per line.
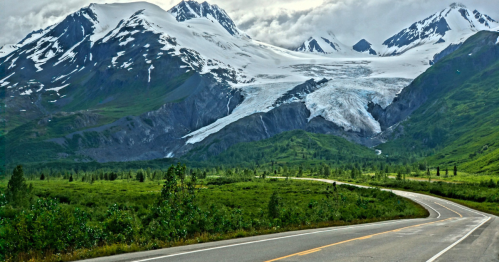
260,126
447,51
156,134
364,47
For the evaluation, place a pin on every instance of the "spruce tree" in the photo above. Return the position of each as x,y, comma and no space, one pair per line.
273,205
455,170
71,178
17,189
42,177
438,171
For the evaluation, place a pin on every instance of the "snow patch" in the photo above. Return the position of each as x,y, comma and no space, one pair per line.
57,89
150,69
26,93
13,63
113,61
7,77
41,87
170,155
128,40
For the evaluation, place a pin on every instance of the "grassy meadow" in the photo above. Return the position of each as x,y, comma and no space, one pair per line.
102,213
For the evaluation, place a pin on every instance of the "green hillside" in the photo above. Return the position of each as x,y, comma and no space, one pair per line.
459,123
295,148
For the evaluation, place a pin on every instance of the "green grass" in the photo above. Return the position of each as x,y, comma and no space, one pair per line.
242,206
462,177
251,197
480,196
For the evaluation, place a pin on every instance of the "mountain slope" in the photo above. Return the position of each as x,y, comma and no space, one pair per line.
293,147
123,82
451,111
449,26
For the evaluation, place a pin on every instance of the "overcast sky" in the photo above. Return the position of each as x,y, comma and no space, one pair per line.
282,22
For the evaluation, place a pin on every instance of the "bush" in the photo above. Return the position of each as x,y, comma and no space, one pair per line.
47,226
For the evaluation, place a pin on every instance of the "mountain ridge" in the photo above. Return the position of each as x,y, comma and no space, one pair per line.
145,78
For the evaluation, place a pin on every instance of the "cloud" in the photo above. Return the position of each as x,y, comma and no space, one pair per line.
350,20
285,23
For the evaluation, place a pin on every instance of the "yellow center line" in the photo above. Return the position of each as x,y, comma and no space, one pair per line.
306,252
449,209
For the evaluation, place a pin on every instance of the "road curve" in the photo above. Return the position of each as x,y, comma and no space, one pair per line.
452,232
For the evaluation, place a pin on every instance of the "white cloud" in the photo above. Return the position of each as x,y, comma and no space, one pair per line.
282,22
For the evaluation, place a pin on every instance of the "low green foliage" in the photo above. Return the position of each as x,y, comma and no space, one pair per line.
293,148
71,216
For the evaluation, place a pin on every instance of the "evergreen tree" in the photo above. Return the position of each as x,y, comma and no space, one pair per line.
455,170
17,190
273,206
140,176
42,177
71,178
438,171
327,171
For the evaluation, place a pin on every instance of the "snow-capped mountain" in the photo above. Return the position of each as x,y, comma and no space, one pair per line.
364,47
187,10
173,80
452,25
322,44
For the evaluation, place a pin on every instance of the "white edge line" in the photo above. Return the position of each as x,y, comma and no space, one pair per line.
457,242
270,239
427,206
322,231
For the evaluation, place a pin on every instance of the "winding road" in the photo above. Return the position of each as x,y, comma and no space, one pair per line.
452,232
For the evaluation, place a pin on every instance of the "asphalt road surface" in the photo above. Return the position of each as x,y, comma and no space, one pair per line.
451,233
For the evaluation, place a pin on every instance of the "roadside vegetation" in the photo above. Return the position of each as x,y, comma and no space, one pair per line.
75,215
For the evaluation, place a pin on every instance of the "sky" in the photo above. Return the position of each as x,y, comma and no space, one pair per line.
285,23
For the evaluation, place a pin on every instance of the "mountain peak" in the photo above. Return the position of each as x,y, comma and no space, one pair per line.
364,47
321,44
189,9
448,25
456,5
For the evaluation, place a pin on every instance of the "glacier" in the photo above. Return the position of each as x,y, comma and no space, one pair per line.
209,43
